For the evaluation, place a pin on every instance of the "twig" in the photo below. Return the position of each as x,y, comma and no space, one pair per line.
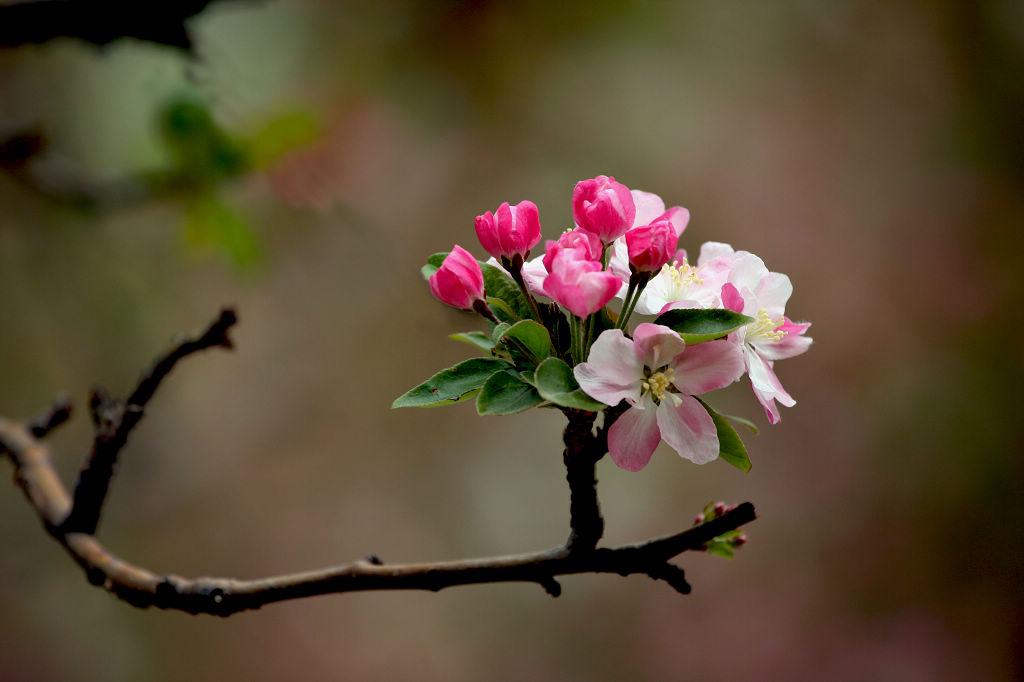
35,474
115,420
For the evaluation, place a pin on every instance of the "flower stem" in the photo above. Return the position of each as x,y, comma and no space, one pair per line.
623,316
639,280
588,339
515,268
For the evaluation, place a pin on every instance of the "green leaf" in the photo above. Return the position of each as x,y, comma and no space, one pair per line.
506,393
498,330
528,337
697,325
745,422
433,263
555,382
501,310
478,339
730,447
498,284
721,549
453,384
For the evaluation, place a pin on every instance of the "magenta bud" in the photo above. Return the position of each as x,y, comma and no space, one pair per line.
739,540
603,207
651,246
459,282
719,509
510,231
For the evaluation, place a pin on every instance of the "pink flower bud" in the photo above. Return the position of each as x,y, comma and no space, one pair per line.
510,231
579,284
651,246
603,207
588,245
459,282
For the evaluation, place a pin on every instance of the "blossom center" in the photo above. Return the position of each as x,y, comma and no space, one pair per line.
658,385
766,328
681,276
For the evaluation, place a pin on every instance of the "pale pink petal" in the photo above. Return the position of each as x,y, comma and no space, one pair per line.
688,429
656,345
767,387
612,371
634,436
715,251
747,273
792,344
534,273
618,263
648,207
707,366
772,292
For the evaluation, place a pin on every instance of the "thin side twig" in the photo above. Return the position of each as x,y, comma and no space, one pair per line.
115,419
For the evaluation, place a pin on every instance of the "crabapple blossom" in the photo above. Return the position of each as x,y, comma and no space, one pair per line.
651,246
658,375
537,270
752,290
681,285
459,282
603,207
577,282
510,231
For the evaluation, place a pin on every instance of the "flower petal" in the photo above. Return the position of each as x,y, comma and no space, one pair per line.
792,344
634,436
767,387
612,371
688,429
656,345
648,207
708,366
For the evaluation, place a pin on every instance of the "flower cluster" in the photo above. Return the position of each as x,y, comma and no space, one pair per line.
555,337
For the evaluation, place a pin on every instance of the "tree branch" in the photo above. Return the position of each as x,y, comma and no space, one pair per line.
35,474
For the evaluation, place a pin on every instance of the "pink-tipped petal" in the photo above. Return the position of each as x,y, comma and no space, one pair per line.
634,436
708,366
656,345
792,344
688,429
767,387
678,216
612,371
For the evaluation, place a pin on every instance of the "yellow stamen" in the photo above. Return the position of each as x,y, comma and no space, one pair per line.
658,385
765,327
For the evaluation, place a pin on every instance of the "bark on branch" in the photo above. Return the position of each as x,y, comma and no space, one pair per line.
72,521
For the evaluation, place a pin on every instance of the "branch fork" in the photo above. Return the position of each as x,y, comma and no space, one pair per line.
74,519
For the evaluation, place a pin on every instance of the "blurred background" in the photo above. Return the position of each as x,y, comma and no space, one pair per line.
302,159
